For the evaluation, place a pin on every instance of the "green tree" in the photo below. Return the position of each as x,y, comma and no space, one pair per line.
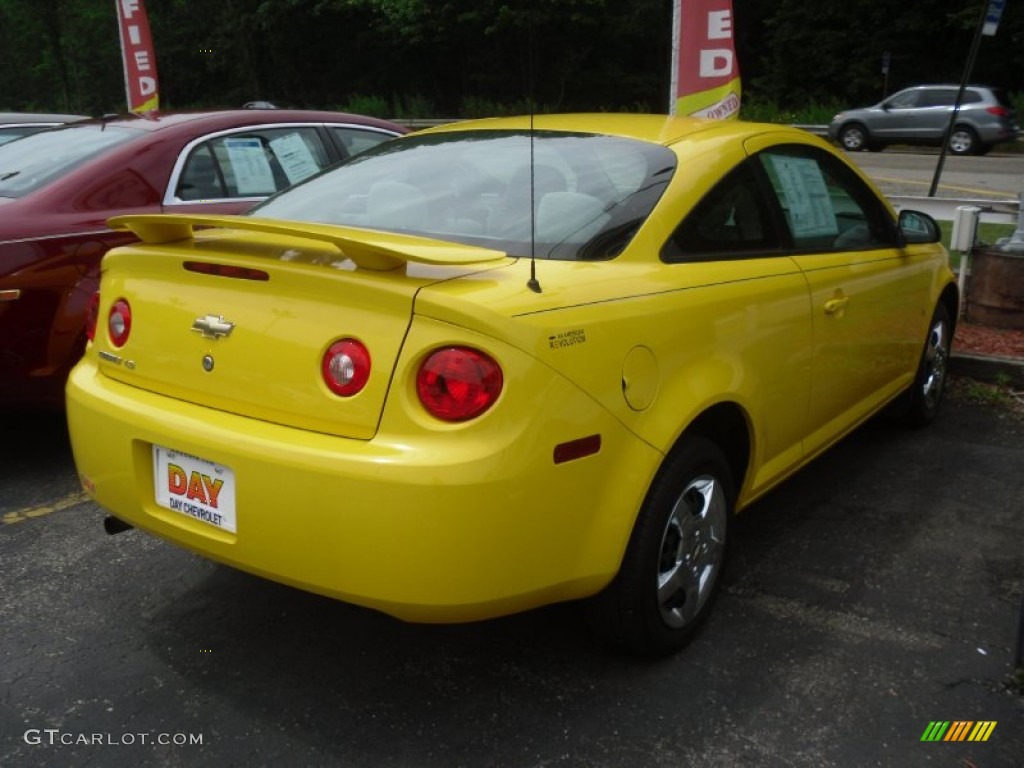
470,57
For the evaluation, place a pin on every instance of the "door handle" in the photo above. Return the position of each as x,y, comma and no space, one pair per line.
836,305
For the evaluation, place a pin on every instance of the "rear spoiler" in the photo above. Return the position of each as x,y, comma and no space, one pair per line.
369,249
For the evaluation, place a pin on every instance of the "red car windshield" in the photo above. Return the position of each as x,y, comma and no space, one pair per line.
31,162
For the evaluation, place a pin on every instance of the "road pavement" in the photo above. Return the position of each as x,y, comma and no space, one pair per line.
870,596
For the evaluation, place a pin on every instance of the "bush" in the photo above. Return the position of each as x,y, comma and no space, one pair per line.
760,111
374,106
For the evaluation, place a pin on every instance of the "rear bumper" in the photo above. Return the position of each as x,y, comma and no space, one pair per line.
422,528
997,134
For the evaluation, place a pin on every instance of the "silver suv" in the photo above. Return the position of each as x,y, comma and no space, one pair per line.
920,115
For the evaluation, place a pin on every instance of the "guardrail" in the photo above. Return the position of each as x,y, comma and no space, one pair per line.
944,208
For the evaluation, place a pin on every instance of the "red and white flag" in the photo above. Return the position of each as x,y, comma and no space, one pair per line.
705,72
139,57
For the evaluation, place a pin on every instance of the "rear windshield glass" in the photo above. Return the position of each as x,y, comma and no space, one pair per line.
1002,98
33,161
557,195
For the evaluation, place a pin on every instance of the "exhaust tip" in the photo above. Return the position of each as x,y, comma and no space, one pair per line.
113,525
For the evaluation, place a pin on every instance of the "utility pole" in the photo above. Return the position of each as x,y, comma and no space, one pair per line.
971,57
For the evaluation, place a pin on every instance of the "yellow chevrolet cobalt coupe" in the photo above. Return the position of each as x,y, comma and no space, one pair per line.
508,362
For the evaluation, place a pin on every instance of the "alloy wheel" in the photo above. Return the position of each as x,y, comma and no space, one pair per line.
692,551
936,354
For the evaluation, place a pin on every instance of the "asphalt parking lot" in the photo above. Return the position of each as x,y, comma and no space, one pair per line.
877,592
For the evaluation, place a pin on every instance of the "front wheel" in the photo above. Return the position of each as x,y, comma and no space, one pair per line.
672,568
853,137
930,383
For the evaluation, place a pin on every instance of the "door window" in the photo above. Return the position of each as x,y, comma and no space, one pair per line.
825,206
938,97
904,100
251,163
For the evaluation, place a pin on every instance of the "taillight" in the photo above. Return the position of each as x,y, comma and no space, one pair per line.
458,383
92,316
226,270
998,111
346,367
119,322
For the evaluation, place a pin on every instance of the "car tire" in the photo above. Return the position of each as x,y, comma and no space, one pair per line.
854,137
925,395
672,569
964,141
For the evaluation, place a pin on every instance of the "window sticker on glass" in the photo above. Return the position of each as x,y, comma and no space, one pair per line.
801,185
295,158
253,175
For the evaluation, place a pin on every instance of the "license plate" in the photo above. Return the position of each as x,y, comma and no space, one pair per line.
198,488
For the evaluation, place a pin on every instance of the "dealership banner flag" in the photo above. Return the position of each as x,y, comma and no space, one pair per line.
705,72
139,57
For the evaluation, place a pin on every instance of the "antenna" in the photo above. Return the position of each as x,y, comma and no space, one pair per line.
533,284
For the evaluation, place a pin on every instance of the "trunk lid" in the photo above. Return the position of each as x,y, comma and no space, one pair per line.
239,319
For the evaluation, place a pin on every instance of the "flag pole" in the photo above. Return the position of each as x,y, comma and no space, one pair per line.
673,91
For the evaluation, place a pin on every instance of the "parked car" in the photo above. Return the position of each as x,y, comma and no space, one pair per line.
58,188
920,115
14,125
509,362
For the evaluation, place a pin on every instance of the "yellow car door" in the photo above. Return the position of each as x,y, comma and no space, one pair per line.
868,296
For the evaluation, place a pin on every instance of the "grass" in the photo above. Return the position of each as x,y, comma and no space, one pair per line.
988,234
996,394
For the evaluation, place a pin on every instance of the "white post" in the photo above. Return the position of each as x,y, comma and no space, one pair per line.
965,232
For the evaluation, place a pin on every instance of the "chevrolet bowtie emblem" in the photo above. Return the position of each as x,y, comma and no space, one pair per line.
213,326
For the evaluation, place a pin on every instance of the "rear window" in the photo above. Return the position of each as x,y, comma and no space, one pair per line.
1002,98
558,195
33,161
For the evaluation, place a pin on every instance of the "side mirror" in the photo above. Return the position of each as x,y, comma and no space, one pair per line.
918,227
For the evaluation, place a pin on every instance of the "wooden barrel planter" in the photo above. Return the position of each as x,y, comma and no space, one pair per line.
996,294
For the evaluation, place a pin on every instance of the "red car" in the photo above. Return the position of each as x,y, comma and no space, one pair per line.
58,188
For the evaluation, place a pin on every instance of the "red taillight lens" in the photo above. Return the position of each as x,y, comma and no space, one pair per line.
458,383
998,111
92,316
346,367
119,322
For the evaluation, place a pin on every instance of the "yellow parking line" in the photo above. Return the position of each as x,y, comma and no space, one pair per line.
20,515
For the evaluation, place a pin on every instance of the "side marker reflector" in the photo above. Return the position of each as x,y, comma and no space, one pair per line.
577,449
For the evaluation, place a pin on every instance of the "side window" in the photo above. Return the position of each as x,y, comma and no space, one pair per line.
732,221
938,97
825,205
201,178
904,100
352,141
251,163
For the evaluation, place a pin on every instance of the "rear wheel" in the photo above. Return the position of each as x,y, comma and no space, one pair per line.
672,569
928,387
964,141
